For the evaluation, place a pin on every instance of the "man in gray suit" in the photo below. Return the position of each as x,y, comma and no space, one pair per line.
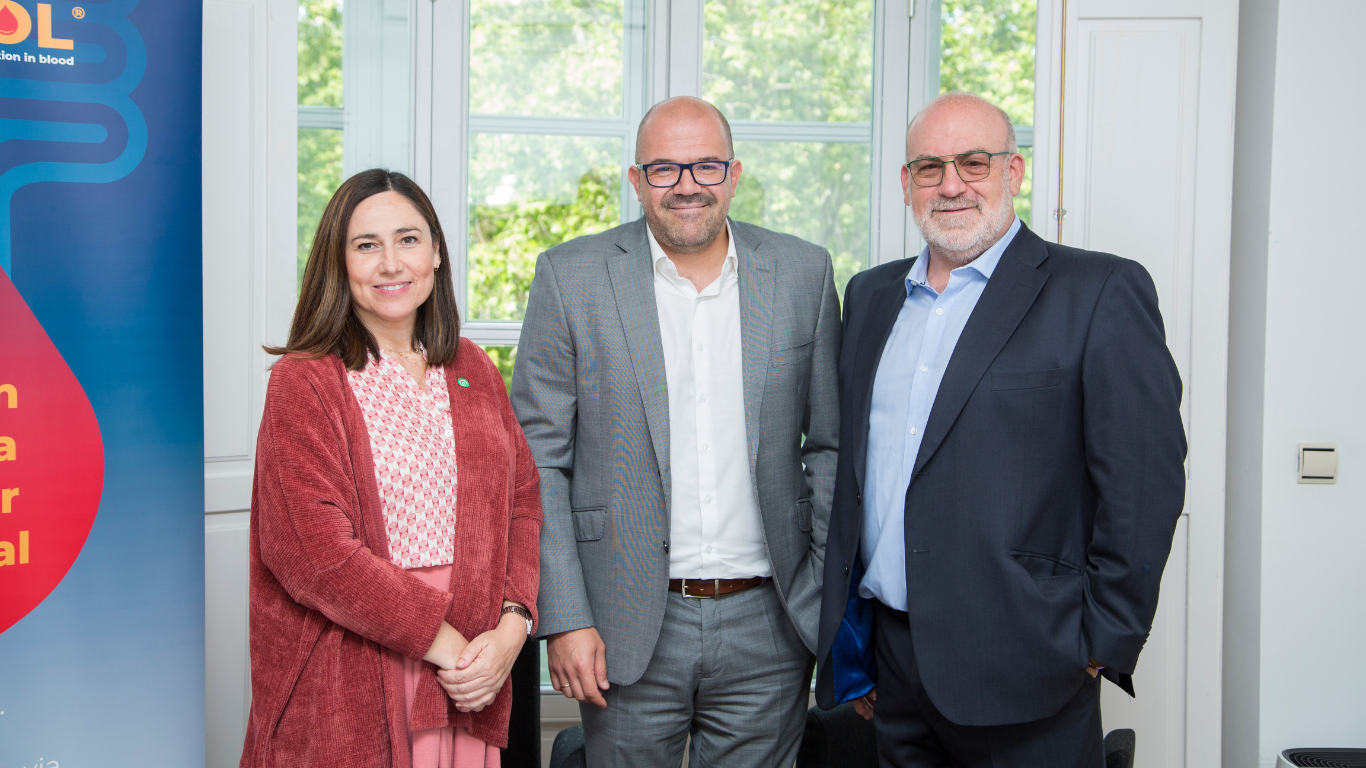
676,382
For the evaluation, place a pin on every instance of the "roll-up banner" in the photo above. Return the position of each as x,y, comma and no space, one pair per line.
101,409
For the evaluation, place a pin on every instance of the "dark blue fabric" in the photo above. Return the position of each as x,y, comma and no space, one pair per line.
851,656
912,733
1045,491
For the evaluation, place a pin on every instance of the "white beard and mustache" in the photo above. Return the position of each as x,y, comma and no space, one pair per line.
962,240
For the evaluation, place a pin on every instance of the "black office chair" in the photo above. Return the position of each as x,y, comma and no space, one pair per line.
1119,748
840,737
524,724
567,751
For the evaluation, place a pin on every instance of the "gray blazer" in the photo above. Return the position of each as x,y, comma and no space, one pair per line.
590,392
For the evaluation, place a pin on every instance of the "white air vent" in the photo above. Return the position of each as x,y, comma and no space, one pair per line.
1322,758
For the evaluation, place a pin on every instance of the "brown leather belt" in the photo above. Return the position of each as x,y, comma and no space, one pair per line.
713,587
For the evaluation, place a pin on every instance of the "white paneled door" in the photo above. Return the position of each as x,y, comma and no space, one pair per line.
1133,182
248,164
1142,120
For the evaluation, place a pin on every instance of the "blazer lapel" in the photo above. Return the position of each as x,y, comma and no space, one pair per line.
756,331
884,305
1008,296
632,275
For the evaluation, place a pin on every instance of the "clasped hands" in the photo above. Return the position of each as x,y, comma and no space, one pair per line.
472,672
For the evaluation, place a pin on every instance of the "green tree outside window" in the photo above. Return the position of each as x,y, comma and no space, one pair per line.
320,85
987,48
506,238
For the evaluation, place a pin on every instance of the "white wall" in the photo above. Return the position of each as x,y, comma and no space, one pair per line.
1246,382
1313,575
1304,609
249,114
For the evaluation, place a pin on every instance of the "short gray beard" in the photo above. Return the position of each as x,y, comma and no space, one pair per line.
962,243
674,238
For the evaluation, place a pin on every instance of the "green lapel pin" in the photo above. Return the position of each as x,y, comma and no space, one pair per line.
462,382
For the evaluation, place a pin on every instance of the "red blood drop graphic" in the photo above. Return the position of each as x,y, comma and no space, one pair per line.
50,452
8,23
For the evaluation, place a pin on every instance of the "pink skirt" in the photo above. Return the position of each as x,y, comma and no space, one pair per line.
442,747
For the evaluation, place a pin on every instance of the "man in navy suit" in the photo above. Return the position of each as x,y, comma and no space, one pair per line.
1010,472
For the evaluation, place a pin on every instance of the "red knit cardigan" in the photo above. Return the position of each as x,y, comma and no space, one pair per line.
331,615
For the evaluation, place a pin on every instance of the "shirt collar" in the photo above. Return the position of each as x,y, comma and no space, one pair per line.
983,265
666,267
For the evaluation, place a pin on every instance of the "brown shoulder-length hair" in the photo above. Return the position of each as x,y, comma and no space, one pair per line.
326,322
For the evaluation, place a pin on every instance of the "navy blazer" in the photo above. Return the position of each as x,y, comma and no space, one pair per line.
1045,493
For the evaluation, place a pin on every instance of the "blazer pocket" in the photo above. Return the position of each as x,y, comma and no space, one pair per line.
1045,566
790,355
589,524
1027,380
804,514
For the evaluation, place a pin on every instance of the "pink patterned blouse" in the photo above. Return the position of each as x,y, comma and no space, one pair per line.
414,450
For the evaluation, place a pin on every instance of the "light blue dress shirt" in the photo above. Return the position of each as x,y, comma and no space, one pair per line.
908,375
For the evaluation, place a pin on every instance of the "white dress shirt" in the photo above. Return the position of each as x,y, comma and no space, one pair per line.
714,526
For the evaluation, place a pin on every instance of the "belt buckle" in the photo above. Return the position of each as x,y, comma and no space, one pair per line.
716,587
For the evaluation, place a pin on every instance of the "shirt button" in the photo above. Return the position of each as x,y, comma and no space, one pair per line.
914,431
709,550
702,399
706,449
447,433
939,311
924,368
706,499
699,347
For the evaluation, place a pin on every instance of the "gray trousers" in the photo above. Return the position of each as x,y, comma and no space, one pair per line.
730,671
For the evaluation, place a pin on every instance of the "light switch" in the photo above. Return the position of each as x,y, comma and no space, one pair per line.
1319,463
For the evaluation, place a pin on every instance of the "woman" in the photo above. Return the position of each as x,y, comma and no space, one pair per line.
388,601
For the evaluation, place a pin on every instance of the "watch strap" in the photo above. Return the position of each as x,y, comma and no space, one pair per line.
520,611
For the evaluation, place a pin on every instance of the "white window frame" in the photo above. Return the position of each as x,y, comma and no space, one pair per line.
671,64
673,67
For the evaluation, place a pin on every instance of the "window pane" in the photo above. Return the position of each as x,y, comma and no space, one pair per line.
802,60
528,194
320,53
320,173
546,57
987,48
378,90
1023,206
818,192
503,357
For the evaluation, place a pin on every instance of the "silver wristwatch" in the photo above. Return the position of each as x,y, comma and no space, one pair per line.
520,611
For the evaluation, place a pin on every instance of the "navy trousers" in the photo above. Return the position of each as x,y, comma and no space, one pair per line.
911,733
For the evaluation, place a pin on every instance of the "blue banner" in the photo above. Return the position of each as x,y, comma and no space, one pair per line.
101,361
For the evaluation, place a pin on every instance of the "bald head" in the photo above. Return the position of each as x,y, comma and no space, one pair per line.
679,109
954,112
